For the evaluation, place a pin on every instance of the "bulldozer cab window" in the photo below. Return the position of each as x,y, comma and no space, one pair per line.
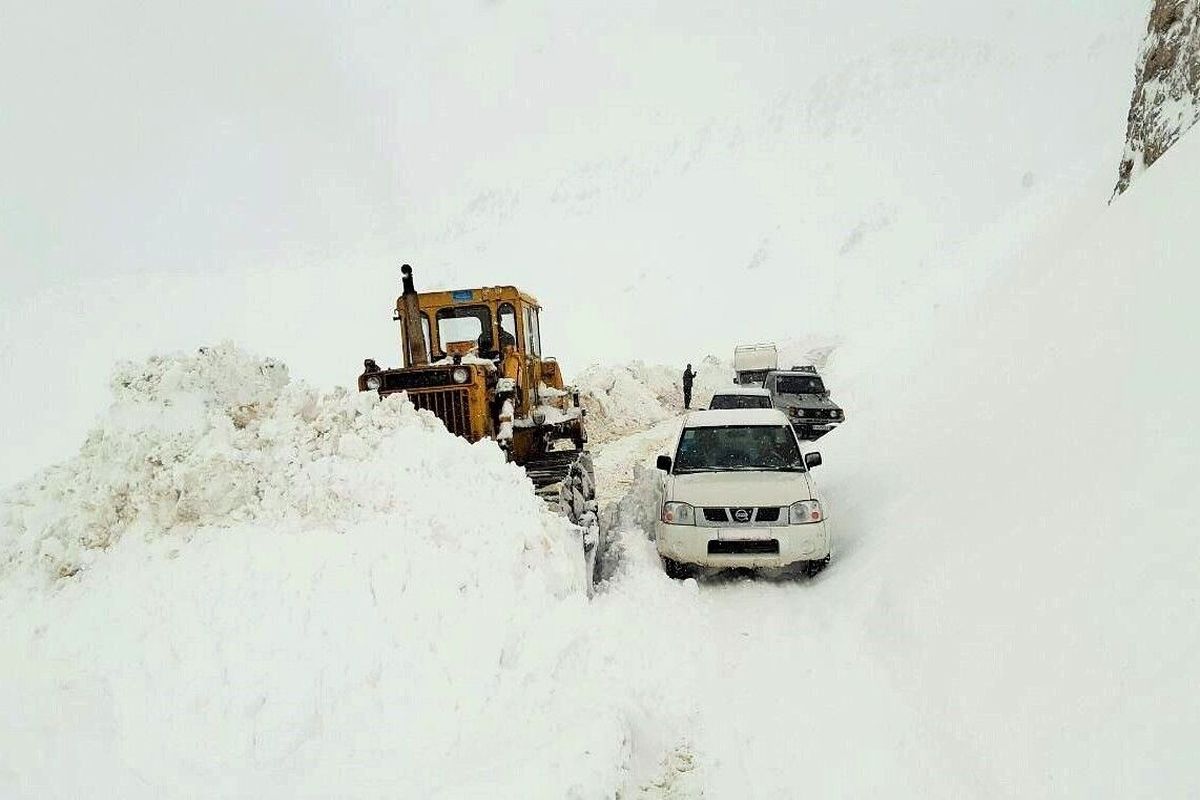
465,324
533,338
508,326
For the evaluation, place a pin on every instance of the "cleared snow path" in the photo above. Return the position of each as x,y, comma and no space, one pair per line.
614,461
777,676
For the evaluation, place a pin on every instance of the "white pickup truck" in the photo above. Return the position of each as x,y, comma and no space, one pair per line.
738,493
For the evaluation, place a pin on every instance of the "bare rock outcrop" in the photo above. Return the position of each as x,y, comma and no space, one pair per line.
1166,94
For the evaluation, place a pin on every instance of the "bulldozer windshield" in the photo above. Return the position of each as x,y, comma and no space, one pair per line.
465,324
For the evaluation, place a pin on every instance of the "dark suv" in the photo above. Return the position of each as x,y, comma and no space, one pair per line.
800,393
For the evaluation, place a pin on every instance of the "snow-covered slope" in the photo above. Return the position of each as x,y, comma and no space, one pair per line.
1015,501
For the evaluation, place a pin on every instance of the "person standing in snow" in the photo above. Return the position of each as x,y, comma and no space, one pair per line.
688,378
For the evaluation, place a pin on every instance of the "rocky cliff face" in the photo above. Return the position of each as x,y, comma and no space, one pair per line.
1166,95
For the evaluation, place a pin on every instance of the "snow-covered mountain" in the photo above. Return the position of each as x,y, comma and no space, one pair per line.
241,585
1166,94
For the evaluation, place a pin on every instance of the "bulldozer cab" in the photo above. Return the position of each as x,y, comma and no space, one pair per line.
483,323
474,358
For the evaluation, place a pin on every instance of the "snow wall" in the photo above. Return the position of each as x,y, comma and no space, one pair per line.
243,587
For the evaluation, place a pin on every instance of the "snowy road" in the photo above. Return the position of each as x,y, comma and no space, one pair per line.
776,674
615,460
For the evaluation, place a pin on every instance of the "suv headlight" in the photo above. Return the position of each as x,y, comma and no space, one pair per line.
678,514
374,382
805,512
460,375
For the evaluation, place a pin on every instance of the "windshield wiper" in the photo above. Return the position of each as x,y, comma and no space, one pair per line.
738,469
763,469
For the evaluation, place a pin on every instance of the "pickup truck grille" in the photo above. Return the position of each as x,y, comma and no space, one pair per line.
763,515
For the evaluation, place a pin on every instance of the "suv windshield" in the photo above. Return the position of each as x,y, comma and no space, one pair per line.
722,401
799,384
738,447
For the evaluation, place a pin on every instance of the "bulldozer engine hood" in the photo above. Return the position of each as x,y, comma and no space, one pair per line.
419,378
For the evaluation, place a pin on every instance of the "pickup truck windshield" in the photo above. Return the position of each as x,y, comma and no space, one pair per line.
722,401
738,447
799,384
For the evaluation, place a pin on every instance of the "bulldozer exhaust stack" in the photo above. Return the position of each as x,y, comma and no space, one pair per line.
410,310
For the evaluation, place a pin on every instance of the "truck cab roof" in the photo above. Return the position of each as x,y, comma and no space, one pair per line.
735,417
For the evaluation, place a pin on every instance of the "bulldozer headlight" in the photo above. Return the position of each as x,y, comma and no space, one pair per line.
374,382
460,375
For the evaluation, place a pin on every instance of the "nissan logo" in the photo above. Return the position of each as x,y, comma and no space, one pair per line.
741,514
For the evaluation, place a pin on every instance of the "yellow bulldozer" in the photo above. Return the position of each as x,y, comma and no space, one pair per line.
473,357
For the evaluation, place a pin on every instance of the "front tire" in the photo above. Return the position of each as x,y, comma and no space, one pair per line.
812,569
676,570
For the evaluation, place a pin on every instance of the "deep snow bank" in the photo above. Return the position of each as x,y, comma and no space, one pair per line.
219,437
624,398
1015,507
244,587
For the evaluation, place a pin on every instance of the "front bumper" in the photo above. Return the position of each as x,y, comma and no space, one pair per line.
812,430
750,546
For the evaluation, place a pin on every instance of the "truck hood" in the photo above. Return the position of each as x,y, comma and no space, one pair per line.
804,401
739,488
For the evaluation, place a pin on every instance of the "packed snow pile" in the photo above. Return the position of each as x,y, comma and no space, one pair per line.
220,437
630,397
242,587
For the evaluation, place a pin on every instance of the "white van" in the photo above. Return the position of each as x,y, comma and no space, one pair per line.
752,362
738,492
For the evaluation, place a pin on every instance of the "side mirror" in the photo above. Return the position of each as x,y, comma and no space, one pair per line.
663,463
812,460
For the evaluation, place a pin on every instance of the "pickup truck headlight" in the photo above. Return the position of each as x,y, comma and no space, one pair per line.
678,514
796,412
374,382
805,512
